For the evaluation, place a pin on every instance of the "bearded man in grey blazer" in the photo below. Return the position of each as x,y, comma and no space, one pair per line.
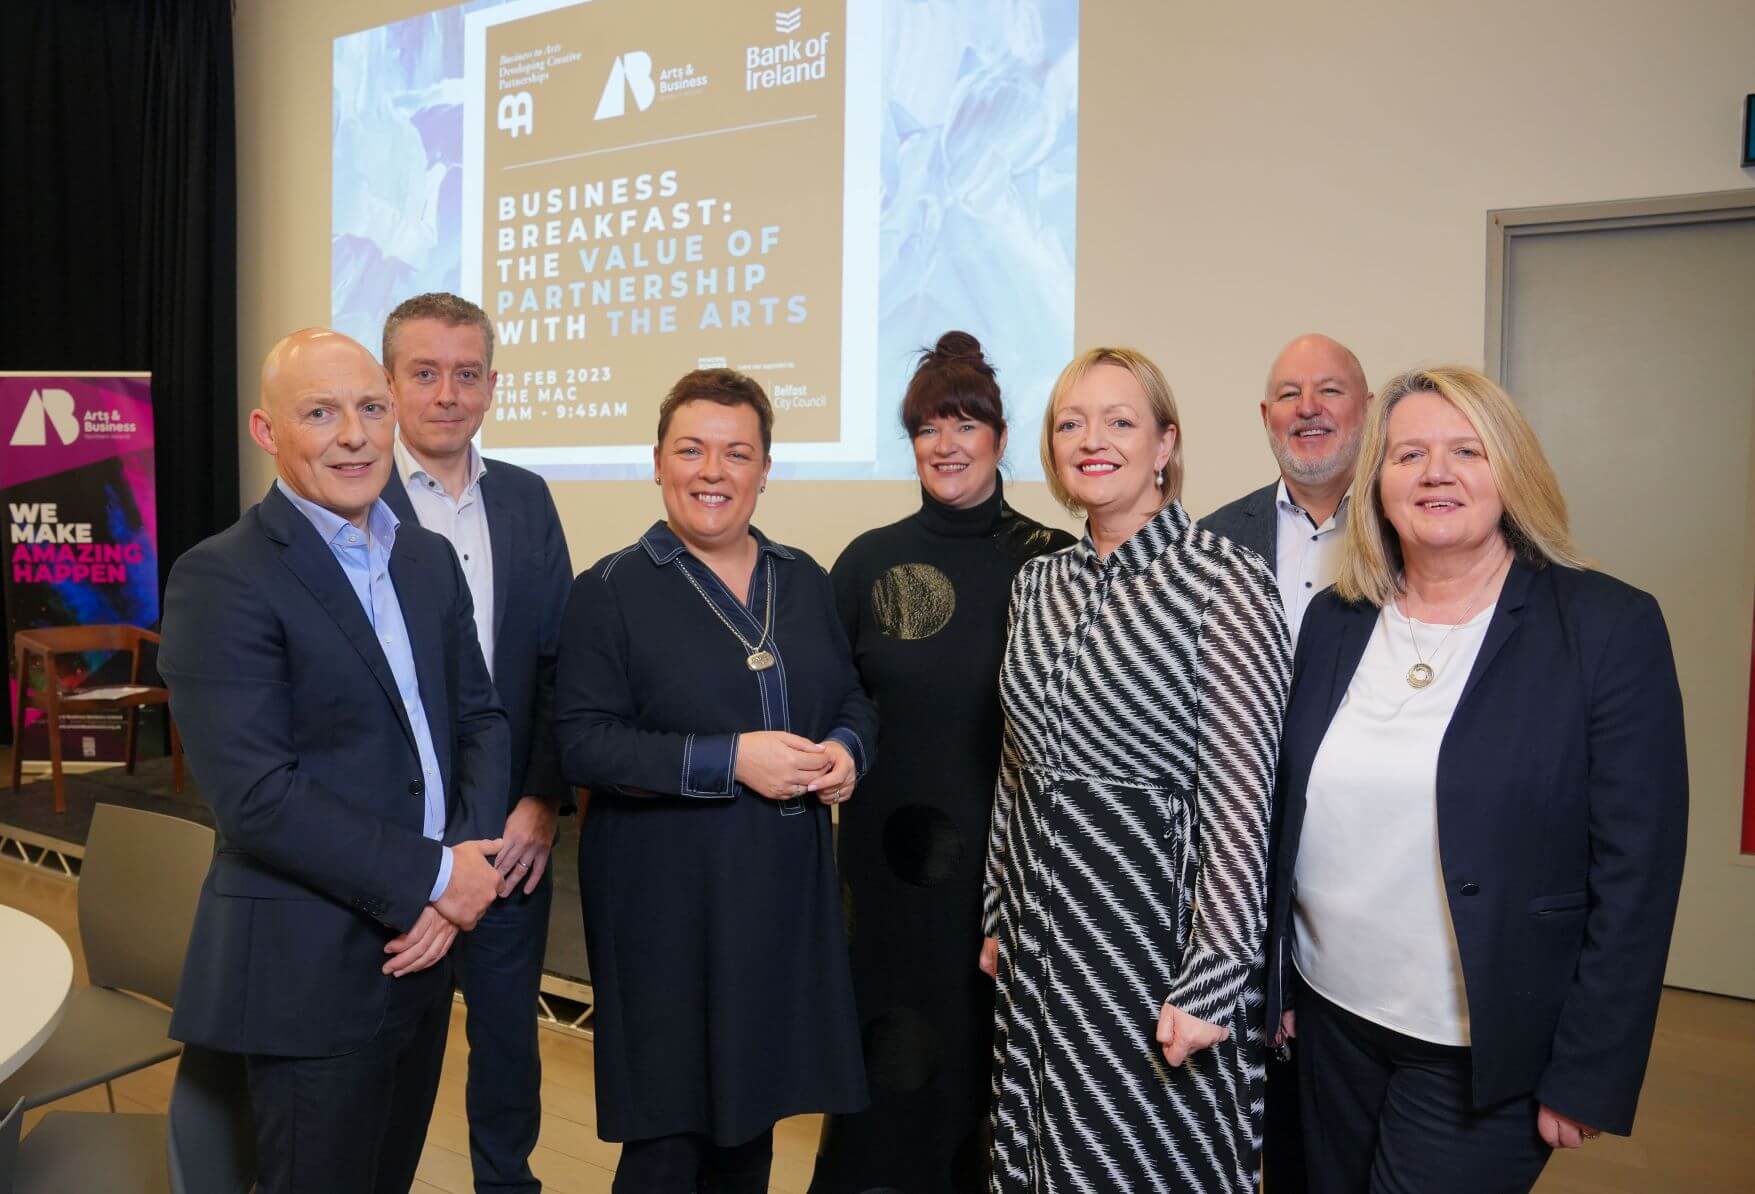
1313,410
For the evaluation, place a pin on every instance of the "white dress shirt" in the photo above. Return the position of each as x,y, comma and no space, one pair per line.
1307,556
463,521
1371,924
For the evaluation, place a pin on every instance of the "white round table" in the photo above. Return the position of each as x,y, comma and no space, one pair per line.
39,977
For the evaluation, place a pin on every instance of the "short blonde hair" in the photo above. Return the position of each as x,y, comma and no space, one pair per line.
1158,396
1534,522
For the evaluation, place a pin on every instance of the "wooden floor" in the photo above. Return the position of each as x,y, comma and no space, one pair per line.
1696,1132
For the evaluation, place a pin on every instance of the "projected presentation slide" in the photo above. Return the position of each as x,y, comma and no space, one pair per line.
635,189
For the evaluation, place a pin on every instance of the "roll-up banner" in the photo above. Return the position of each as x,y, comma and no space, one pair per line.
76,477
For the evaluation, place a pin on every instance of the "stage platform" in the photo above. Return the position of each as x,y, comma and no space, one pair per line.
31,831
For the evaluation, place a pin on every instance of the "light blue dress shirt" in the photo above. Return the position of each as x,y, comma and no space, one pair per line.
364,557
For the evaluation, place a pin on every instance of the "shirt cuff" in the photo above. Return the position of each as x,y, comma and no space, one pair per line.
1210,987
989,910
847,737
444,879
709,765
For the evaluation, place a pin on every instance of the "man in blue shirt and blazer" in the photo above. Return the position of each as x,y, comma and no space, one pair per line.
500,519
340,721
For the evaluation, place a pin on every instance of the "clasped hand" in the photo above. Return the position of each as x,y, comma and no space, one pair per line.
1181,1035
474,886
781,766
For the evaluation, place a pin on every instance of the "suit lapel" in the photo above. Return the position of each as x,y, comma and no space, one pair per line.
309,559
502,542
1506,619
396,497
1262,510
1349,648
1303,736
426,640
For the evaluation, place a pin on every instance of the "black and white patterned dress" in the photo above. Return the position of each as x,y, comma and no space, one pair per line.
1127,861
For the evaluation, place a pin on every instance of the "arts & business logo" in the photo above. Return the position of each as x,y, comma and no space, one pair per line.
46,408
631,73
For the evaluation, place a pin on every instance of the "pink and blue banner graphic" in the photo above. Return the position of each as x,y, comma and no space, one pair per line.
76,480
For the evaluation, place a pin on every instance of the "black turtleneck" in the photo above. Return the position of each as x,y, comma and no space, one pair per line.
924,602
969,523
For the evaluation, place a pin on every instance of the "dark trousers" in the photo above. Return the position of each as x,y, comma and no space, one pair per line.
355,1124
1386,1113
1282,1144
499,968
688,1164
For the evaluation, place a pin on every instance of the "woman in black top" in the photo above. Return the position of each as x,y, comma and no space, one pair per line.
924,604
706,697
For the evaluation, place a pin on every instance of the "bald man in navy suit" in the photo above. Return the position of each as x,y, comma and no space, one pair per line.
339,719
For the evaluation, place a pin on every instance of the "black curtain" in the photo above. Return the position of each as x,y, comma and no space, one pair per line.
118,224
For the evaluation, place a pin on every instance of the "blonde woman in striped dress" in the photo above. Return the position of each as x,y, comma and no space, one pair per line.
1144,681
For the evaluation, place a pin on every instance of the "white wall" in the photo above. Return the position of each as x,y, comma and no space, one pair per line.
1252,171
1248,172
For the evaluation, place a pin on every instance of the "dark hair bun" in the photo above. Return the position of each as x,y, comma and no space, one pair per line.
962,348
953,378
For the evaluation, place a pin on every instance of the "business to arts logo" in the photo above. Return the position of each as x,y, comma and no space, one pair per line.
788,22
517,114
45,409
632,72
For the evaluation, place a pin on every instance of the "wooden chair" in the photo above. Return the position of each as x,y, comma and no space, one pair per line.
46,644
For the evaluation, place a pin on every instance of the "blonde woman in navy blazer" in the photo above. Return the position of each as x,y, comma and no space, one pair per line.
1483,807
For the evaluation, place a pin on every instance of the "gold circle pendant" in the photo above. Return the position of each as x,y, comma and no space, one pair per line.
1420,675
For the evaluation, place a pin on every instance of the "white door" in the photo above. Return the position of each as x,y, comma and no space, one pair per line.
1632,349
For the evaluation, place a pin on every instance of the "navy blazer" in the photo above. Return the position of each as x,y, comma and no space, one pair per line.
532,570
1562,822
299,741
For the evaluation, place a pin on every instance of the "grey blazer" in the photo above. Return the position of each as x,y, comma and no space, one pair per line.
1250,522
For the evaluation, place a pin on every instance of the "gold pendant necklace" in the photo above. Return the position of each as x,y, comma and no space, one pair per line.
758,658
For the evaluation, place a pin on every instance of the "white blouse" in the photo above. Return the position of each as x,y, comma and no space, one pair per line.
1371,925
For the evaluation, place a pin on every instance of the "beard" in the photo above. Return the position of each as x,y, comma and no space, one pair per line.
1338,461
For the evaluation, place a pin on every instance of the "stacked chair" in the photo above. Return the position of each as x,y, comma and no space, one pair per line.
138,888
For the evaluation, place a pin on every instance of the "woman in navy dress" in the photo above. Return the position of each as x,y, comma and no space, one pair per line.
707,698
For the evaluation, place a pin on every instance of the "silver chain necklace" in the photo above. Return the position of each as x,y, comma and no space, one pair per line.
758,659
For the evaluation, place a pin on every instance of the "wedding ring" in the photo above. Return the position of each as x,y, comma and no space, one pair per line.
523,866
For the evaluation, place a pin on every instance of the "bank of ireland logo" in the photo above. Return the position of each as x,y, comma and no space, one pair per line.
632,72
517,114
46,408
788,22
